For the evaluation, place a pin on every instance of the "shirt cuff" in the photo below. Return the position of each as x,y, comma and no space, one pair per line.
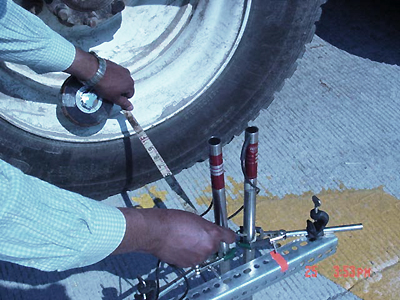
59,55
107,227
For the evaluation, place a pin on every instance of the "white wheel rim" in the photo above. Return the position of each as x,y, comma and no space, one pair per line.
174,52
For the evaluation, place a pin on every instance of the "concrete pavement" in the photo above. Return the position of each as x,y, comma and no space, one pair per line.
332,131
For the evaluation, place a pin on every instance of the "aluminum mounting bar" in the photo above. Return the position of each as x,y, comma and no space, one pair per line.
247,279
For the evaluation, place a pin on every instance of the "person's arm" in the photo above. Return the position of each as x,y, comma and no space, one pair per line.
25,39
45,227
174,236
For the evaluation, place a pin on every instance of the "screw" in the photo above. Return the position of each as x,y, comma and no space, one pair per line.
317,203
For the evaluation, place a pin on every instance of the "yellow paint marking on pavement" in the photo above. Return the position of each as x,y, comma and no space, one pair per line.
234,195
146,199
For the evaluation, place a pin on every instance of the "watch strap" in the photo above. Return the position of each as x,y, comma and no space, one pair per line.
101,71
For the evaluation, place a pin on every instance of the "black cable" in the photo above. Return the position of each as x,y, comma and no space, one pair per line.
186,283
180,275
235,213
158,279
208,209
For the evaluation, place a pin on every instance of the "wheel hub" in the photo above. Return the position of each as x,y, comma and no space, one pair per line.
82,106
84,12
87,101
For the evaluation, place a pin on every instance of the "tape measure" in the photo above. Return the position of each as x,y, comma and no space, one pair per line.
157,159
148,145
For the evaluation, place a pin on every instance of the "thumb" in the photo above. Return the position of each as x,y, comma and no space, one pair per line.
124,103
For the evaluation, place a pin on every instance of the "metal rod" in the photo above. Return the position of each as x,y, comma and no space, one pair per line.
218,192
332,229
249,216
340,228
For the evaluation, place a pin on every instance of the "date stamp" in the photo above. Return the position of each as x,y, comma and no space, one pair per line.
340,271
311,271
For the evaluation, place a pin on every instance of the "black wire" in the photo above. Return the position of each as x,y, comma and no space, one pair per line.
236,212
186,283
158,279
208,209
180,275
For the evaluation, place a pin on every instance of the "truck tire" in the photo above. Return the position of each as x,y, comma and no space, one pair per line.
272,39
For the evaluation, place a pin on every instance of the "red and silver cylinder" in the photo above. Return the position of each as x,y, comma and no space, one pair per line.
250,190
218,190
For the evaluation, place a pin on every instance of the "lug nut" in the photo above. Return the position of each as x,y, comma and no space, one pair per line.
93,22
63,14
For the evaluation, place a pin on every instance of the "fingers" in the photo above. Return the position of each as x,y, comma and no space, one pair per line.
117,86
228,236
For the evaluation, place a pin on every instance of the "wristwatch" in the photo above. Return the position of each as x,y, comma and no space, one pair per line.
90,83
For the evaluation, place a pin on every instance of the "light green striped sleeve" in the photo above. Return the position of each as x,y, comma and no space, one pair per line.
45,227
25,39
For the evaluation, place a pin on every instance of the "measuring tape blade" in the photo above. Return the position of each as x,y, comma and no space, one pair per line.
148,145
157,159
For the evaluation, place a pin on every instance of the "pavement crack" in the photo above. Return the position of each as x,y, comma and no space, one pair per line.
387,268
339,295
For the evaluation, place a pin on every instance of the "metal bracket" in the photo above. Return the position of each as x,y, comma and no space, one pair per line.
247,279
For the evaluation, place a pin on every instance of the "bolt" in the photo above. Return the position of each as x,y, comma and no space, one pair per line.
92,22
62,11
93,14
197,270
317,203
63,14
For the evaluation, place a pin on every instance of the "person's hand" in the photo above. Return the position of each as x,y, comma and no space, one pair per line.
187,239
176,237
116,86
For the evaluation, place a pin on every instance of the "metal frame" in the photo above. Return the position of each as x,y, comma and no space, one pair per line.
256,275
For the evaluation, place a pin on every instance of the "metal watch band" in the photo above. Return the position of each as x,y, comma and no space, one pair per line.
99,73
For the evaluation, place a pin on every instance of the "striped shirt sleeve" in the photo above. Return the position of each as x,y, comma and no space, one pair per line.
47,228
25,39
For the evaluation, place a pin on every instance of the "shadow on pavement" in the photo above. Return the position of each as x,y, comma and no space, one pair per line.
54,291
125,266
366,28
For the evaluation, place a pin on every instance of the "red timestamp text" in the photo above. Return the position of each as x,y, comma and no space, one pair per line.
340,271
351,271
